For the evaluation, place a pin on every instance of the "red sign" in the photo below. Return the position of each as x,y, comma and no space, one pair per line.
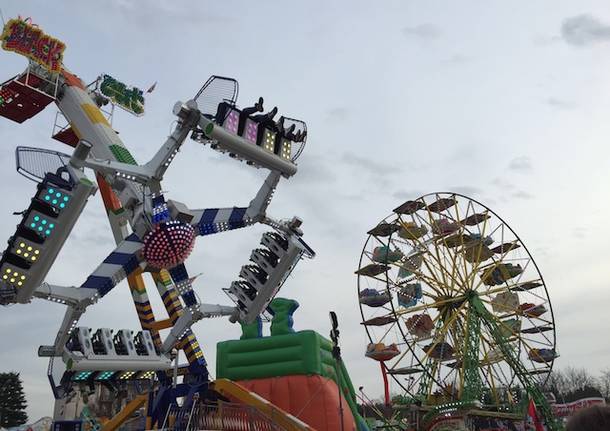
26,39
568,409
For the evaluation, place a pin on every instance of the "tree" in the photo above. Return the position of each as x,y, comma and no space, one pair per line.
578,378
571,384
12,401
604,384
557,385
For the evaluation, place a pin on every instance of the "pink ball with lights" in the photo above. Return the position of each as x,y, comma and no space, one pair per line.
169,244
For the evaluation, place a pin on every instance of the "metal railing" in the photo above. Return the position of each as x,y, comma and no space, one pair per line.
35,163
223,416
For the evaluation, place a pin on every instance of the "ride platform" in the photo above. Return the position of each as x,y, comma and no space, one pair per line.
22,97
67,136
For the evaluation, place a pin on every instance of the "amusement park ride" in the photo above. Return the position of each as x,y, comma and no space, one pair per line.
153,233
456,309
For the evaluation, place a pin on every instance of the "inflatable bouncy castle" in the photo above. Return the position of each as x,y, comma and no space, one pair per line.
295,371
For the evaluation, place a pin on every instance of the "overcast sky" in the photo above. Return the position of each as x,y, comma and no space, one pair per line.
505,101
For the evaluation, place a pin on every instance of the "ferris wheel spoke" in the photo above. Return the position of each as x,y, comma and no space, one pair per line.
475,267
425,244
438,259
455,279
521,340
458,264
518,313
516,287
391,284
377,238
427,306
499,371
433,277
450,260
447,288
488,269
499,262
495,380
399,359
443,330
439,283
459,250
516,259
434,321
490,375
392,325
457,333
431,281
538,342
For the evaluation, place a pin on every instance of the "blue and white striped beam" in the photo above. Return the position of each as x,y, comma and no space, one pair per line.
183,284
214,220
116,267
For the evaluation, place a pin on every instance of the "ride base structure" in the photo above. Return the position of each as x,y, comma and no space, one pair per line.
154,236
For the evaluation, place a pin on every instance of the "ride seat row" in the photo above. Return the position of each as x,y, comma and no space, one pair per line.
260,129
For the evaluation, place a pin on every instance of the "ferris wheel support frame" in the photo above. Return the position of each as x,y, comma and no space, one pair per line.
479,314
522,374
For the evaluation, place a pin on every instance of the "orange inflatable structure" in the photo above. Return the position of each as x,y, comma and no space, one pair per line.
313,399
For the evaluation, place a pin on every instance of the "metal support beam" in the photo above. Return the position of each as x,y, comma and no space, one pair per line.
120,418
191,315
246,150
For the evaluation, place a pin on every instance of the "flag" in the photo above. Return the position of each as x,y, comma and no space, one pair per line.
192,279
532,421
152,88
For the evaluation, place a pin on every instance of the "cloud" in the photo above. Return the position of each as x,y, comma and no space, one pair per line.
503,184
337,115
520,164
316,170
462,154
459,59
522,194
560,104
415,193
466,190
371,166
160,12
422,31
579,232
583,30
542,40
97,238
487,201
408,195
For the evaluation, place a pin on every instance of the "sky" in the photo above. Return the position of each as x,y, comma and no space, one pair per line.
506,102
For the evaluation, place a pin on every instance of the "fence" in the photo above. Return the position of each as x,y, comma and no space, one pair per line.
224,416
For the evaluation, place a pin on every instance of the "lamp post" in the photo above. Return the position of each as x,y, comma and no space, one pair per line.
334,336
361,390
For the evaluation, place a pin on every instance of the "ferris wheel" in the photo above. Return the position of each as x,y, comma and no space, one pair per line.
454,305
